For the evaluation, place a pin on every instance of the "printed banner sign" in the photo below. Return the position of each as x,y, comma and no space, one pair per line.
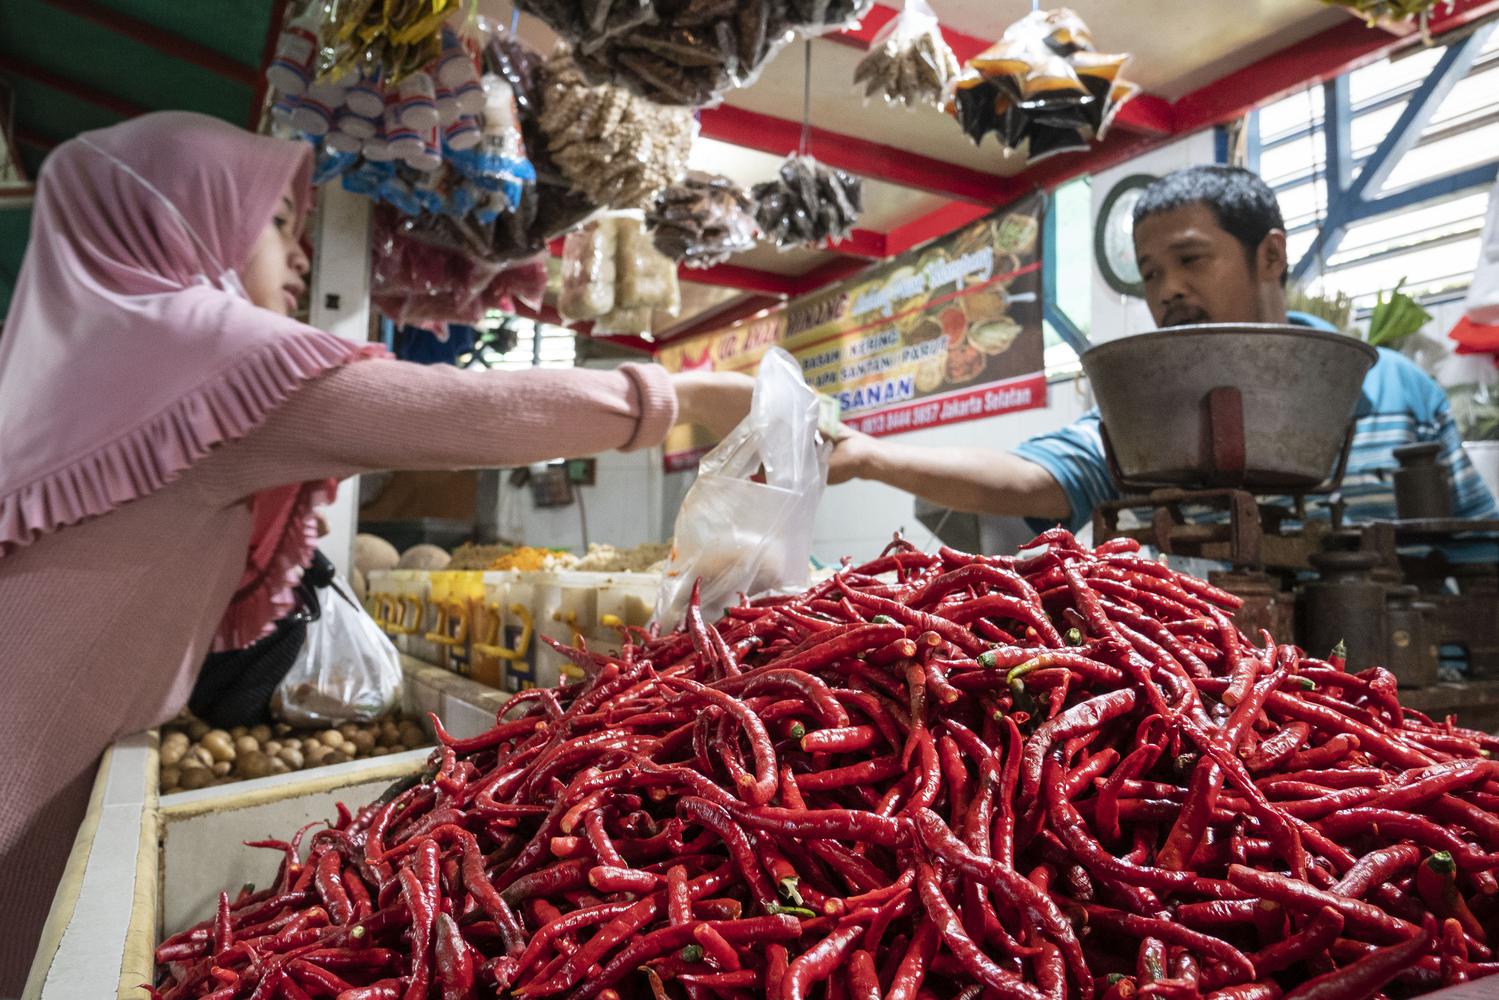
946,333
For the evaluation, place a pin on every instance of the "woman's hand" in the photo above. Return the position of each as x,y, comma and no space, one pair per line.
850,458
715,400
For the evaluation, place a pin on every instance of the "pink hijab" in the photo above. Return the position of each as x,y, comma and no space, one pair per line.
131,349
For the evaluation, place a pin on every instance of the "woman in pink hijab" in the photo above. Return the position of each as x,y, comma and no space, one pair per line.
166,430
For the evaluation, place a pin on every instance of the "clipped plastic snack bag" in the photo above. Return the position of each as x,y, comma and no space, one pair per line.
645,277
742,536
909,61
588,271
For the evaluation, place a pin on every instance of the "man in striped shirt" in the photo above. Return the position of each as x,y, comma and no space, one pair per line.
1211,246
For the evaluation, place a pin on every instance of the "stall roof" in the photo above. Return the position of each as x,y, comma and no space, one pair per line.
80,64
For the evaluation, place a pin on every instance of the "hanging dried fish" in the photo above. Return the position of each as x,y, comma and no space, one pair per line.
909,62
808,203
685,52
703,220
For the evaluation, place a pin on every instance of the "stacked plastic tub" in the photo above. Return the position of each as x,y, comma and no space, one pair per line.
490,626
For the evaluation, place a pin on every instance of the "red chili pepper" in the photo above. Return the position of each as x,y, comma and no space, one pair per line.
1376,868
678,902
313,977
1365,976
420,891
1312,940
1268,990
913,766
223,929
1135,925
1299,895
1150,962
1081,718
911,973
717,819
1452,946
763,788
717,950
973,959
1407,825
642,949
863,979
866,772
1436,881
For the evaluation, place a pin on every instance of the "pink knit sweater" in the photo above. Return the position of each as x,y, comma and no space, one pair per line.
103,625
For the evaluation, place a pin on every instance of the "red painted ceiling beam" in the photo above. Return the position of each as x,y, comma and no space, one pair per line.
830,273
162,41
745,279
866,243
108,102
723,316
1146,114
953,215
876,161
1315,60
626,340
267,53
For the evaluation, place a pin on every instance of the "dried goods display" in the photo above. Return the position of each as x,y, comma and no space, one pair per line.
703,220
390,83
616,148
934,774
613,275
686,53
551,206
808,203
1042,89
646,557
1389,10
600,558
420,280
196,755
909,62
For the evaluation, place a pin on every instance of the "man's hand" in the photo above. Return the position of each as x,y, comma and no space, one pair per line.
715,400
850,458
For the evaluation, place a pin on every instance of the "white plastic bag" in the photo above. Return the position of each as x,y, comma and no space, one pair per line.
347,671
744,537
1482,305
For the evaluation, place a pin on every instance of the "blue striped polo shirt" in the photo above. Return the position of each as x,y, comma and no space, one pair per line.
1400,405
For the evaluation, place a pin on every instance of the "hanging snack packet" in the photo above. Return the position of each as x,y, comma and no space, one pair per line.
909,62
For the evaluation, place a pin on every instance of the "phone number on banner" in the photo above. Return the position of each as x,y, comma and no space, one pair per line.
1024,393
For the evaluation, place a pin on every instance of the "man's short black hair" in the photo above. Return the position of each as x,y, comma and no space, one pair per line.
1244,205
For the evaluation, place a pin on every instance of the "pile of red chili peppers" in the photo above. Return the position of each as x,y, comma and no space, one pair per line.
933,776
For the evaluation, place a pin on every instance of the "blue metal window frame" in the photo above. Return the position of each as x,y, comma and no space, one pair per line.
1352,186
1051,311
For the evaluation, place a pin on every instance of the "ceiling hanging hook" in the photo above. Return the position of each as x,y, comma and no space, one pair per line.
805,147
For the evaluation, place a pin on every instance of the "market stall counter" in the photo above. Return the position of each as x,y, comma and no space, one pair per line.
146,864
1074,747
